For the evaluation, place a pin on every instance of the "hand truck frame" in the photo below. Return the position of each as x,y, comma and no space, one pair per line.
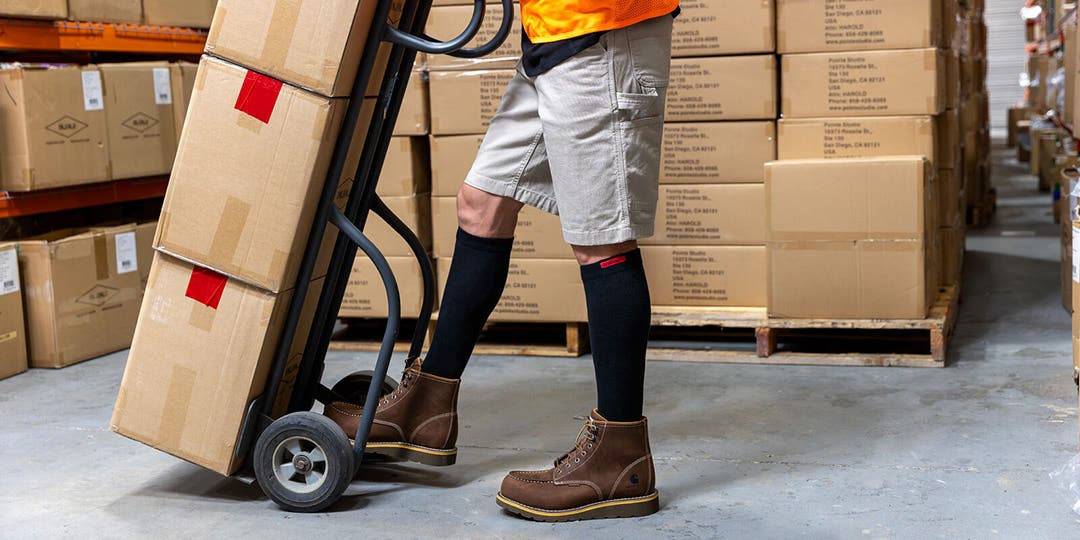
302,460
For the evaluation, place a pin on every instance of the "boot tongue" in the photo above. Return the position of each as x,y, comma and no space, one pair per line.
595,415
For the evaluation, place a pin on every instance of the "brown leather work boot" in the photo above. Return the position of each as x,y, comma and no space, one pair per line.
417,422
608,474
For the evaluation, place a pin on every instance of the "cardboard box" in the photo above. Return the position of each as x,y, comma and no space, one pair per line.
722,88
188,13
140,111
463,102
313,45
704,214
815,26
365,296
144,248
952,80
447,22
245,185
1070,274
883,198
183,84
537,290
198,360
865,83
34,9
114,11
716,152
414,117
415,211
52,130
538,234
12,327
81,292
952,253
849,238
949,140
829,138
950,196
706,28
451,159
718,276
406,171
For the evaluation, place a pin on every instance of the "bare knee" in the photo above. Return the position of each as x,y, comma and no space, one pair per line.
485,215
587,255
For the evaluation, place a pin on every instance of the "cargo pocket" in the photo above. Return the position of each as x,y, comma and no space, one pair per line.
641,138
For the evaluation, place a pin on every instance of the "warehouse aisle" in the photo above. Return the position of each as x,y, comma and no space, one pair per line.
743,451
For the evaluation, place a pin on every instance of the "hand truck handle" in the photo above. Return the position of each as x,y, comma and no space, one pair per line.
457,44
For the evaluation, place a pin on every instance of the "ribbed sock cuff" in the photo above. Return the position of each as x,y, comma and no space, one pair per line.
494,245
631,260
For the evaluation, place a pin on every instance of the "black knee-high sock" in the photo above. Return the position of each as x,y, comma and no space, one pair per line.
473,288
617,295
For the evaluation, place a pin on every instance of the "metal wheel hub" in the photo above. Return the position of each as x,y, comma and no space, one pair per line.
300,464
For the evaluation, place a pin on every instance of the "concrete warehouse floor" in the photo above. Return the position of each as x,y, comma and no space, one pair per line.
742,451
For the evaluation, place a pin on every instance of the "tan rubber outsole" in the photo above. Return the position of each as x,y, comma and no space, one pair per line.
417,454
618,508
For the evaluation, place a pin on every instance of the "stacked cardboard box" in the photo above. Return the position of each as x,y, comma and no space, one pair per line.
12,325
181,13
544,282
860,86
252,161
974,109
709,247
68,125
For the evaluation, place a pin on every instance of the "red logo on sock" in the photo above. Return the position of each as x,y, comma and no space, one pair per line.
614,261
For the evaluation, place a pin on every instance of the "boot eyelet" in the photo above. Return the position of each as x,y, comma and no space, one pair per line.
577,460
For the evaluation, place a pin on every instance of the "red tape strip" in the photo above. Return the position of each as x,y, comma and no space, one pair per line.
258,95
206,286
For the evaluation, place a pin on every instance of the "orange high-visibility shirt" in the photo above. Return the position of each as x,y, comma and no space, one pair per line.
546,21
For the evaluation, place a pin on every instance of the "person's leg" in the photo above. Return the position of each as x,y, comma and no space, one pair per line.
418,421
476,279
602,113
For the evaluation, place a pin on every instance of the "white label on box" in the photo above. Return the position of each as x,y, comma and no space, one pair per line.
1073,194
127,257
9,272
162,86
1076,255
93,98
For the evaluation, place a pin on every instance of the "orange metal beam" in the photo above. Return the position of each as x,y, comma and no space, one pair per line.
21,34
15,204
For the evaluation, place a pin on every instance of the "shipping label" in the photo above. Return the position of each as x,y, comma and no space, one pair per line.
127,259
9,271
93,97
162,86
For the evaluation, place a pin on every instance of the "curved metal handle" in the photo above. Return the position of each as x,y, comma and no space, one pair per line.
497,40
393,35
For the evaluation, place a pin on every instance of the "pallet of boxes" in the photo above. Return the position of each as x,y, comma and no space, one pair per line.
70,126
864,205
266,109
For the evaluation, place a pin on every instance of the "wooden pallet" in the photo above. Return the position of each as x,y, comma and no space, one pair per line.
569,340
748,336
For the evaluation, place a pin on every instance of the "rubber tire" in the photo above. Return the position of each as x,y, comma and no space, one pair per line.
354,387
325,433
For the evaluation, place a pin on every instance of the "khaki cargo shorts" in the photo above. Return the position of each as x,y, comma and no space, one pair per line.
582,140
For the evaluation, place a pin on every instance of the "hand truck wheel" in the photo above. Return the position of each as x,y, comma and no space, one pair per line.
303,462
354,387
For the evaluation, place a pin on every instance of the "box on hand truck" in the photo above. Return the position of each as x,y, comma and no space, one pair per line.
175,384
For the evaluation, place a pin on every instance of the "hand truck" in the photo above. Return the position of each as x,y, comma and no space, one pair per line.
302,460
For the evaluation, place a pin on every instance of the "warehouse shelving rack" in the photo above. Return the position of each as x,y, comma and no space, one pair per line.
302,460
66,38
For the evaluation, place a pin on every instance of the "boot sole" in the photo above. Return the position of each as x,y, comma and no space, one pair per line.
417,454
618,508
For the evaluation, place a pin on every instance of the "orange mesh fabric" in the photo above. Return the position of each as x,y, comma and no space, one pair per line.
553,20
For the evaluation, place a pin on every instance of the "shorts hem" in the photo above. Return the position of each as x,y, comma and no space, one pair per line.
608,237
518,193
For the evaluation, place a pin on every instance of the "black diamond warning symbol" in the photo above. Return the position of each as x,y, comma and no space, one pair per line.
140,122
66,127
97,296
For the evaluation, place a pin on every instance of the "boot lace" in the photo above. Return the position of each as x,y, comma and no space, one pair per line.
586,438
406,379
